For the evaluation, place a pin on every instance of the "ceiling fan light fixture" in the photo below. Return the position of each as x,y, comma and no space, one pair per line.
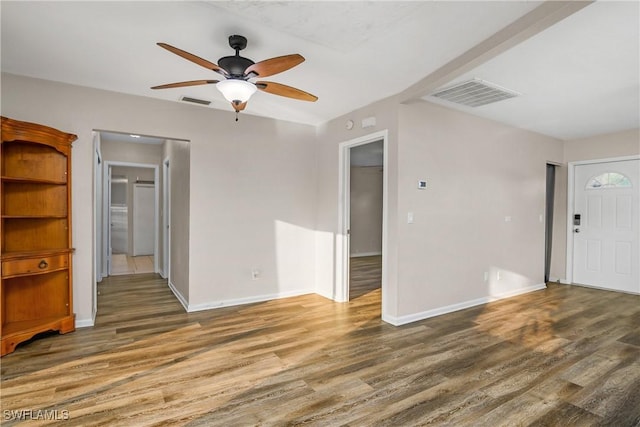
235,90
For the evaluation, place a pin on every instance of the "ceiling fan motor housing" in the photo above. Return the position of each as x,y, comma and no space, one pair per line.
235,65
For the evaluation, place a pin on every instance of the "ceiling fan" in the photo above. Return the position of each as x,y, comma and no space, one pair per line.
237,71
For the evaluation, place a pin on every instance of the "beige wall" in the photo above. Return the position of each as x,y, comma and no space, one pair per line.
177,152
252,187
617,144
263,195
328,235
478,173
119,151
366,210
481,212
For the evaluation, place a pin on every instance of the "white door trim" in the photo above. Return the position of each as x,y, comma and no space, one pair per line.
342,238
570,205
97,223
106,221
166,218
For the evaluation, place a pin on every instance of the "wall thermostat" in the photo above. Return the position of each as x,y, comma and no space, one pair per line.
349,124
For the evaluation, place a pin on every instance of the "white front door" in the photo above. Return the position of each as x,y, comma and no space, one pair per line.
606,225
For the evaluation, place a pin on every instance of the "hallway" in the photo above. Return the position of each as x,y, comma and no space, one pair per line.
124,264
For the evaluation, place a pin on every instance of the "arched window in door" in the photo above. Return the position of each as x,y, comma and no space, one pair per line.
608,180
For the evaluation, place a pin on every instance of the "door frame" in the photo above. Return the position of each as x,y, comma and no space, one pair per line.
571,205
166,218
344,197
98,219
106,204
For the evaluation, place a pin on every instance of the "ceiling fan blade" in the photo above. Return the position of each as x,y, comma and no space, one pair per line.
284,90
272,66
189,83
239,107
193,58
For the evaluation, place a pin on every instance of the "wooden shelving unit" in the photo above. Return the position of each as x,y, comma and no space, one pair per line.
35,249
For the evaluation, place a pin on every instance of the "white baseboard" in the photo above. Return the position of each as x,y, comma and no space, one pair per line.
178,295
362,254
602,288
85,323
249,300
331,297
403,320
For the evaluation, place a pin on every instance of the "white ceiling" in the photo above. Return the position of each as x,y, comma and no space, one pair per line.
578,77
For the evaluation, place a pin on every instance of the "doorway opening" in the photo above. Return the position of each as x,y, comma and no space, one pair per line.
548,223
127,171
365,218
132,208
363,163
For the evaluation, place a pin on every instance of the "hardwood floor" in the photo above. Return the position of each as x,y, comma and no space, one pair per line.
565,356
365,275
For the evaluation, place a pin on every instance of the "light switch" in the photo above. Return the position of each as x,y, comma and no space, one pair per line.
409,217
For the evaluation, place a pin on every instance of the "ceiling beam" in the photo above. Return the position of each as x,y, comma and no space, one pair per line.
534,22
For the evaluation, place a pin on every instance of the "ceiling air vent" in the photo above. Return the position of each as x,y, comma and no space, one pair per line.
474,93
195,100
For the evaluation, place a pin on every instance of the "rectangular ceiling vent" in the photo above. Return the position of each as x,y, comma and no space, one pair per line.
195,100
474,93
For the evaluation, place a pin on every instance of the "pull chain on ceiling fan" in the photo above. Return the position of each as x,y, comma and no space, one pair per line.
237,70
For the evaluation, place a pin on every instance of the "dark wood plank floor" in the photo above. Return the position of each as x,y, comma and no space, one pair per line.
365,275
565,356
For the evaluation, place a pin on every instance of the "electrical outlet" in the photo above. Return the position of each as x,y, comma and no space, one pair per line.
486,276
255,274
498,275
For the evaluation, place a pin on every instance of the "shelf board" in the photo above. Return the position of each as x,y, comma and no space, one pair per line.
34,216
27,180
31,326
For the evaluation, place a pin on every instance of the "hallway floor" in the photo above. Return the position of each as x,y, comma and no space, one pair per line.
124,264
